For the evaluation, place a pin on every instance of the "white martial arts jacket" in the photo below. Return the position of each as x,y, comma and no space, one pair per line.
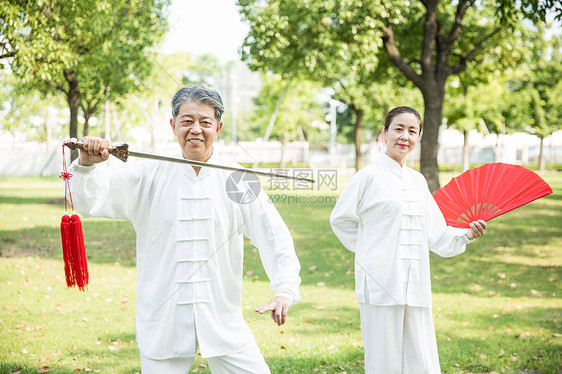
189,251
388,217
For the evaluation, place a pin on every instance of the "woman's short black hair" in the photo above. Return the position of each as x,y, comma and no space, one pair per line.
399,110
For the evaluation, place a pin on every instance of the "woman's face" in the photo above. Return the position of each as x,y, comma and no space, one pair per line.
401,136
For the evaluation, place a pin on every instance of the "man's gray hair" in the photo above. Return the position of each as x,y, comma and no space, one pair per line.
198,94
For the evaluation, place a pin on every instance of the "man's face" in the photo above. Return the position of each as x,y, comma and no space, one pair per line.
196,128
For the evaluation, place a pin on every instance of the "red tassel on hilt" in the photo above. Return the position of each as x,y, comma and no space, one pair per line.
72,236
80,269
66,237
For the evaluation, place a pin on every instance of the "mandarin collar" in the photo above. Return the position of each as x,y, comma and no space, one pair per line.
190,172
391,165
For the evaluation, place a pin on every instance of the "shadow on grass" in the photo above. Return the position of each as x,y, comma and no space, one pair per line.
122,358
31,200
488,278
323,324
106,241
531,348
556,195
350,362
485,267
513,259
127,362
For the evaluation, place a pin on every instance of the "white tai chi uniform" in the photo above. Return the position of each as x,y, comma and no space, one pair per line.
387,216
189,252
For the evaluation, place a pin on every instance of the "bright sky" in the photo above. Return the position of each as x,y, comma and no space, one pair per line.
205,26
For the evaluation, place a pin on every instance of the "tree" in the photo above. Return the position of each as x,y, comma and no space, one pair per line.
476,106
450,39
318,41
24,111
543,91
285,110
427,41
88,50
151,109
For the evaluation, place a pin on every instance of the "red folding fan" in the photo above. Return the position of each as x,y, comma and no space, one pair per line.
487,192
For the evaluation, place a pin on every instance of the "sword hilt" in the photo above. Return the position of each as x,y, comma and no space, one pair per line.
120,151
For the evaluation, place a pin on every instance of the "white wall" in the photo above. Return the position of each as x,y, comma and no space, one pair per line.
32,159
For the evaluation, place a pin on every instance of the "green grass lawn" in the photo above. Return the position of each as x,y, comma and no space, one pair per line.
497,308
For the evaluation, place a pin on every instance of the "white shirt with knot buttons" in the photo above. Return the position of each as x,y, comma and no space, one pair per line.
388,217
189,251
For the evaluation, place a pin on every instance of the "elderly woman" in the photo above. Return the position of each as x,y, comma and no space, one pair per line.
388,217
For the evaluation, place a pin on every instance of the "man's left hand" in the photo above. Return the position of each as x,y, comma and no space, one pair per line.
279,306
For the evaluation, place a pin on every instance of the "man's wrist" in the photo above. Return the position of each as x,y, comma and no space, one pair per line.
83,163
77,166
290,296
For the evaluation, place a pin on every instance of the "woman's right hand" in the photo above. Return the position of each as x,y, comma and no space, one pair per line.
95,151
477,228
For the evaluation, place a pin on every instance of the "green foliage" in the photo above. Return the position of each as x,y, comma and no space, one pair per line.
298,107
89,50
540,89
387,96
350,46
103,42
332,43
488,101
479,92
302,37
199,70
531,9
149,109
25,110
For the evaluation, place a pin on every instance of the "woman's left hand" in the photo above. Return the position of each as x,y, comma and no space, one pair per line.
477,228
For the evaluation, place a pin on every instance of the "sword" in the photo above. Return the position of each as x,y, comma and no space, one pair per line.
122,152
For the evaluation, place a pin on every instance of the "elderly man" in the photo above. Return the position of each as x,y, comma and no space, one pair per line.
190,245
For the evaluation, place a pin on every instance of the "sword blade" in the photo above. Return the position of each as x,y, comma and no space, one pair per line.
122,152
215,166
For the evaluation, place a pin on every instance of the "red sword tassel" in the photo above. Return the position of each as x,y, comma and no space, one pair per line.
72,236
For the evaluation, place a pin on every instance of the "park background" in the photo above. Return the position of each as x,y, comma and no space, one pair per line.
306,86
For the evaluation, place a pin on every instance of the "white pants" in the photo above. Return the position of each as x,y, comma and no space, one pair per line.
249,361
399,340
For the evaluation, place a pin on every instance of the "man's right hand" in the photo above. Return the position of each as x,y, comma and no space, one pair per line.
95,151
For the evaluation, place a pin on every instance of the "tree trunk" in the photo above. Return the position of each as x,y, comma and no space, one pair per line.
430,139
86,124
73,100
283,140
107,120
116,124
48,128
154,122
274,114
541,155
465,152
435,68
358,140
551,153
89,109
